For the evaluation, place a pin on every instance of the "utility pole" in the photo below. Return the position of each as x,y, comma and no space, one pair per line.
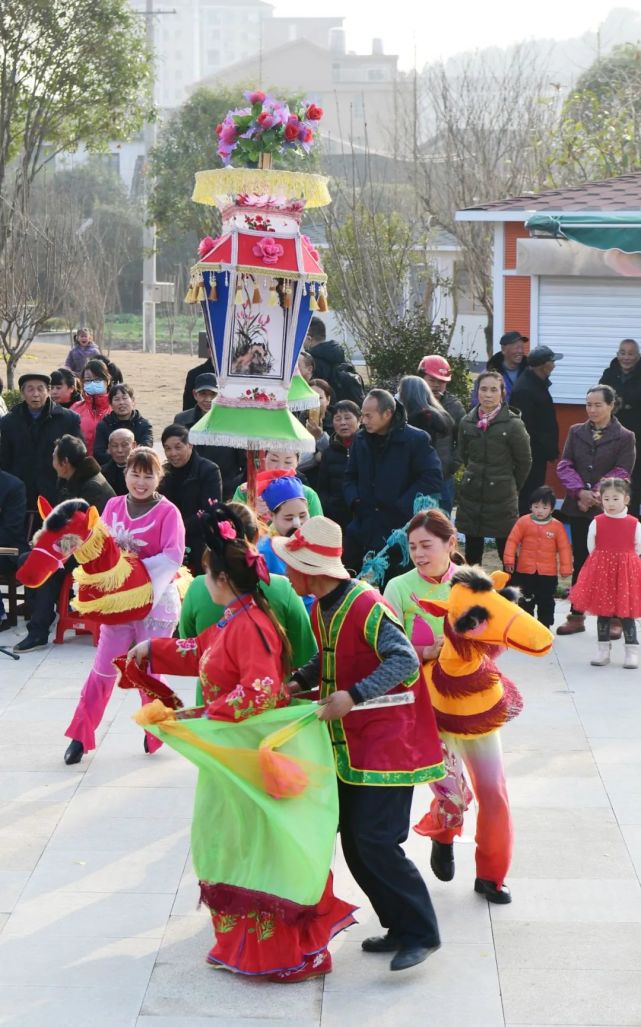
149,231
149,290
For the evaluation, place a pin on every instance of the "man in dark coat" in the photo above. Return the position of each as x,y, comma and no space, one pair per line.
190,481
390,463
332,365
510,362
28,434
531,396
79,477
13,518
624,376
231,462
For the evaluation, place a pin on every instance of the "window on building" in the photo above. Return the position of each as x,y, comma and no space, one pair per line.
375,75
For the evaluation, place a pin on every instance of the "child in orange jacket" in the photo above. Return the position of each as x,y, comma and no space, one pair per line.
543,549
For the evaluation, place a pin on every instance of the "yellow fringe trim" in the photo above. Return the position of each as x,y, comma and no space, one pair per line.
118,602
214,187
108,580
94,545
182,582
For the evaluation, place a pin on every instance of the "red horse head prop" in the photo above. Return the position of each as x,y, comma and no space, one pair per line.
64,530
113,586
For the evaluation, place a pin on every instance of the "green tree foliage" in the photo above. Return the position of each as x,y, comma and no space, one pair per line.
400,343
599,132
71,72
187,144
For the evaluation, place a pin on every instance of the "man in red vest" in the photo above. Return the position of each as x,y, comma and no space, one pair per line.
383,733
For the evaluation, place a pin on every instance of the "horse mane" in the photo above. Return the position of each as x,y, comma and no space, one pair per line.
473,578
62,514
468,648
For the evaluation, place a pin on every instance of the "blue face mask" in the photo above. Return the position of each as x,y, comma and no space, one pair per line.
95,388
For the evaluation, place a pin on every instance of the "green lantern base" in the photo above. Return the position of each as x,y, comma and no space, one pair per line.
301,396
252,428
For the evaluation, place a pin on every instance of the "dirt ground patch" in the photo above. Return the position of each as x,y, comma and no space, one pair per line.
157,381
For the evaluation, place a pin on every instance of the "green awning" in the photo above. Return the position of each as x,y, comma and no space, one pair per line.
601,231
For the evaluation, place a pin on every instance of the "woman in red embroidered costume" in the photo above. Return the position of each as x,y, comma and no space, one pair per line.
242,662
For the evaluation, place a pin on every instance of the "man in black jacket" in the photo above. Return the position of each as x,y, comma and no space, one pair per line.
231,462
189,482
390,464
79,477
531,395
331,364
28,434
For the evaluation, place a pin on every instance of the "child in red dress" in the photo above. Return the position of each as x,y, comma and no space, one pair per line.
609,584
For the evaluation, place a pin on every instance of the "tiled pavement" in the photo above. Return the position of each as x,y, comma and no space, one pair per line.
98,919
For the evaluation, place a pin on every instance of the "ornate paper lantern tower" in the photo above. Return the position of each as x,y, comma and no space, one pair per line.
261,280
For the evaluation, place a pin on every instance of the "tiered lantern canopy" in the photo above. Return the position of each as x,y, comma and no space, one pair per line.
259,284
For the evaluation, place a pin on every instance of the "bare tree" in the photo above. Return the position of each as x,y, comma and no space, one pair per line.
38,266
487,124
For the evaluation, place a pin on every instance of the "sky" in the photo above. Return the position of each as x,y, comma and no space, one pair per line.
442,29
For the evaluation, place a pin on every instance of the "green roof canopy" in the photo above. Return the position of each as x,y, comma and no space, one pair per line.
601,231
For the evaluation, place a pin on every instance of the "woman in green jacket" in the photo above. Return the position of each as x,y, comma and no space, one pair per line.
495,450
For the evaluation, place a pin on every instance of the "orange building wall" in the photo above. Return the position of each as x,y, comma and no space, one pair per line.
517,318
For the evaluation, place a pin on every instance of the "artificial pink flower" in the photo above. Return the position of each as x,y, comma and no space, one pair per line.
305,134
206,245
314,113
227,531
257,97
291,131
268,250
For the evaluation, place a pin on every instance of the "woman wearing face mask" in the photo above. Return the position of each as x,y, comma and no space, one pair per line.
123,414
94,405
65,388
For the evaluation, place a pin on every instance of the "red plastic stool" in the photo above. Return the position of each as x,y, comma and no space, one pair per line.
70,621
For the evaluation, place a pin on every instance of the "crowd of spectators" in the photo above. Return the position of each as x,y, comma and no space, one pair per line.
74,429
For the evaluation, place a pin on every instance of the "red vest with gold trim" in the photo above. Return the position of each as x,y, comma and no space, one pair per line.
393,745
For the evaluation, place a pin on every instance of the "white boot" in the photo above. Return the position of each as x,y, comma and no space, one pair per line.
631,661
603,658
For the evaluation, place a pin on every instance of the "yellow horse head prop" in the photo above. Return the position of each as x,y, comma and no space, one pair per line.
481,612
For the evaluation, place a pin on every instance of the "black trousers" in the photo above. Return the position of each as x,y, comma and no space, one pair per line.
579,527
373,823
537,595
534,480
475,544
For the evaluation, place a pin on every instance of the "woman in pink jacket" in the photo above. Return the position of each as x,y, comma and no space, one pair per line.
94,404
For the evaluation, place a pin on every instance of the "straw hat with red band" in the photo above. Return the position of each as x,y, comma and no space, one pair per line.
314,549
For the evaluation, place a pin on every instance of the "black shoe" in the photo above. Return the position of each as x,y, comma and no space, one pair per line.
501,896
30,644
74,753
442,860
381,943
411,956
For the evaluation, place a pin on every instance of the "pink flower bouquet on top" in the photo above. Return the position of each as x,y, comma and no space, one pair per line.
267,125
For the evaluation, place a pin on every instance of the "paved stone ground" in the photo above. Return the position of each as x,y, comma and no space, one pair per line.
98,914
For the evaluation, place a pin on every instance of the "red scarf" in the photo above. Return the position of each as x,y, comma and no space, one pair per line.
485,420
